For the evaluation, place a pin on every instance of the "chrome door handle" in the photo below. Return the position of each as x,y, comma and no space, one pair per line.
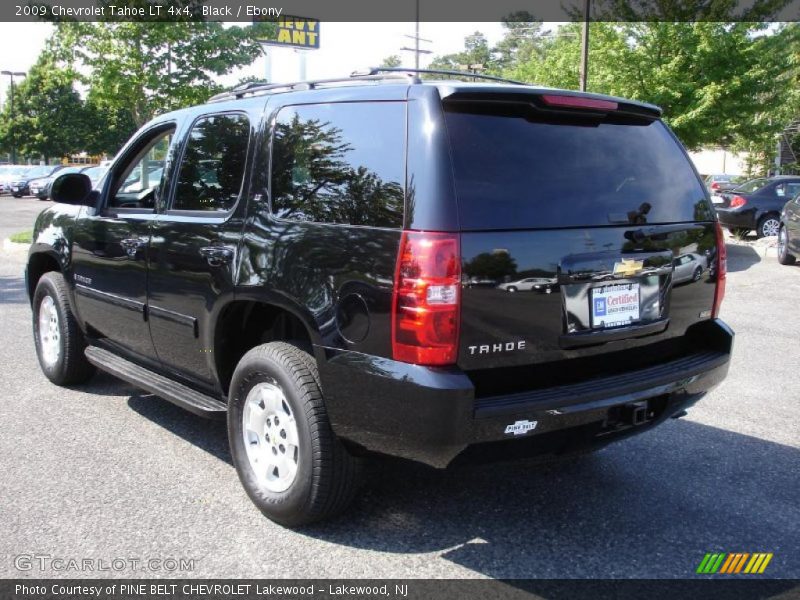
133,245
217,255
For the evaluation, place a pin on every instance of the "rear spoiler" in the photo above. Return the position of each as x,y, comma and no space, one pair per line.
550,100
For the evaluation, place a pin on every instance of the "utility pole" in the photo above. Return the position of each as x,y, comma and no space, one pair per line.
11,75
416,49
585,46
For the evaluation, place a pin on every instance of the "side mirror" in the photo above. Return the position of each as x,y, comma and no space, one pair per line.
73,188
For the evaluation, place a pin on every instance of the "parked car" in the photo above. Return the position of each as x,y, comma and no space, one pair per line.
43,185
310,290
789,232
44,176
721,182
8,175
688,267
95,174
538,284
20,184
757,205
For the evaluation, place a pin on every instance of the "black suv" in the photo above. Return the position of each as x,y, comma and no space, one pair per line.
299,258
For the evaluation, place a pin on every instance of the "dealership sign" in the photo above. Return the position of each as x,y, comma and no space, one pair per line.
296,32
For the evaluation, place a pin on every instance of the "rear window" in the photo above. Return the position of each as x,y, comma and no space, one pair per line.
752,186
515,169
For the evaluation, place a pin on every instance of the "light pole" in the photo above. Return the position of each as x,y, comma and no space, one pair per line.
11,75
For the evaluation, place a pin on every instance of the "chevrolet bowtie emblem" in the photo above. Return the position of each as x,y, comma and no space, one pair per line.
627,267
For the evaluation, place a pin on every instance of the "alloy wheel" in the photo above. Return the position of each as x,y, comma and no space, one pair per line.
270,437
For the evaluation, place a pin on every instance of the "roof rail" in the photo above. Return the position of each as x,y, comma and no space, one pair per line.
371,74
378,70
255,87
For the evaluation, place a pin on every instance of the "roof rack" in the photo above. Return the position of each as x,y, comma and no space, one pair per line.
255,87
378,70
376,74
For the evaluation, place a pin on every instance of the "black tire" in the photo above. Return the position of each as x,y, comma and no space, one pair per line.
17,195
511,289
698,272
71,366
327,475
784,257
763,223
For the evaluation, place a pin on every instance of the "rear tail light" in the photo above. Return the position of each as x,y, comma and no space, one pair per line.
737,201
722,272
715,185
427,294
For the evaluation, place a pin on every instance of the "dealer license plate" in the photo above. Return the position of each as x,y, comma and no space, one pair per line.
615,305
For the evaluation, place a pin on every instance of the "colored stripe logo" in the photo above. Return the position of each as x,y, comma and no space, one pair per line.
732,563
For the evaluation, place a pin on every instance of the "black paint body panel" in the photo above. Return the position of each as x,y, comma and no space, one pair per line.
160,305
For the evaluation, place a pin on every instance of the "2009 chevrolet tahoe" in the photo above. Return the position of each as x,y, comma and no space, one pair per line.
331,266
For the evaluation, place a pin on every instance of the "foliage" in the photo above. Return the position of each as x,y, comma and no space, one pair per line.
49,116
23,237
392,61
146,68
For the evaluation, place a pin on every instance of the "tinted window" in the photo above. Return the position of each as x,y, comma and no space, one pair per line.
516,170
212,169
340,163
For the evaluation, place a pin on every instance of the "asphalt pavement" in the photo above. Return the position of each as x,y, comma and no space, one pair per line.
104,472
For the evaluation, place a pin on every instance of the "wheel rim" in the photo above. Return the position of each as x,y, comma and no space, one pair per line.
782,242
270,437
770,227
49,331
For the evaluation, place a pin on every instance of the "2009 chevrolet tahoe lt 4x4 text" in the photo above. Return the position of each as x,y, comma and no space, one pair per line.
384,264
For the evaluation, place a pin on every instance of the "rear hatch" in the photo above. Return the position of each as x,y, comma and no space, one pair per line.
587,240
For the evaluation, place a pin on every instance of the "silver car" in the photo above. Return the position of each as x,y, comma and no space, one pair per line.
688,267
530,284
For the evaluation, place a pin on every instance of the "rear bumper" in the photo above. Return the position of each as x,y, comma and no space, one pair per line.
737,219
431,415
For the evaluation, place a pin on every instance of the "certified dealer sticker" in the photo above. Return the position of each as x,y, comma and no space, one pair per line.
521,427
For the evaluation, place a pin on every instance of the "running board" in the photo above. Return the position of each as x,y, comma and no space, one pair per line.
177,393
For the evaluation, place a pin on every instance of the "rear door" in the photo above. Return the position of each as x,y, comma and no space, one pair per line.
194,243
596,204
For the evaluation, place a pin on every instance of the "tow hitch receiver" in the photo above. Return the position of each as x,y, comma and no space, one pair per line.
635,413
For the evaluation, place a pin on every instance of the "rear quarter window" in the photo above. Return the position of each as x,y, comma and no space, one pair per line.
341,163
518,170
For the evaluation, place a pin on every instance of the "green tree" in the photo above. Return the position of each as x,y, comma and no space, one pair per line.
50,119
146,68
392,61
714,80
476,52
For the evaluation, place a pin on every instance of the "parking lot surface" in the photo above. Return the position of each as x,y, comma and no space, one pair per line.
105,471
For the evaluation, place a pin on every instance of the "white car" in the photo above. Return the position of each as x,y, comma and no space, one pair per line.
530,284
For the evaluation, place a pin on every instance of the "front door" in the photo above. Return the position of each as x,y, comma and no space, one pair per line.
111,246
194,244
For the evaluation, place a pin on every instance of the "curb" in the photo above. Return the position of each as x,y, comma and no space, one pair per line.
14,246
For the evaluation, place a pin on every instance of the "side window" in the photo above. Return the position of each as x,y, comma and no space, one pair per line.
211,172
792,189
340,163
138,182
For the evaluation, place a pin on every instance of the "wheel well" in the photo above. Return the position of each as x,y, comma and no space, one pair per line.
38,265
246,324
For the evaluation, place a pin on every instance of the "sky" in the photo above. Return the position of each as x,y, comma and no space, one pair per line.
344,47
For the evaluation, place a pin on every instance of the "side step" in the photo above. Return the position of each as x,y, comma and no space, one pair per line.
177,393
